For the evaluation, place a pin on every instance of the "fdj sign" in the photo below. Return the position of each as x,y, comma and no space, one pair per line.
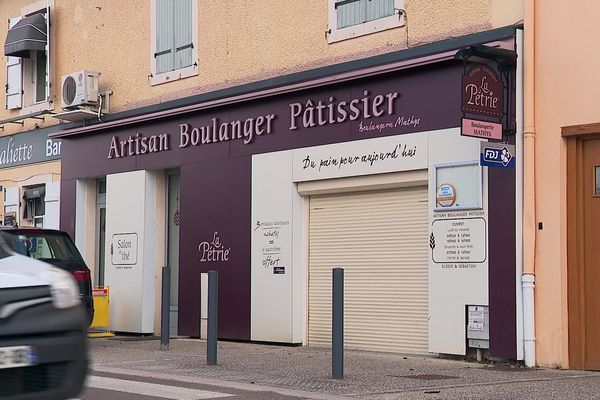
497,155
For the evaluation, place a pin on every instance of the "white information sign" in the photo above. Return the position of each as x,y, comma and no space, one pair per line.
361,157
476,318
459,241
273,238
124,248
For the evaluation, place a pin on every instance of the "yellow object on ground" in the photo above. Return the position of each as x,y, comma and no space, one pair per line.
101,323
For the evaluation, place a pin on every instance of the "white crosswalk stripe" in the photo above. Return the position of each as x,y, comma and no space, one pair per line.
151,389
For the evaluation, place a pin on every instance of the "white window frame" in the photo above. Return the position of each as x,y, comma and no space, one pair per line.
393,21
36,219
186,72
475,203
14,76
28,104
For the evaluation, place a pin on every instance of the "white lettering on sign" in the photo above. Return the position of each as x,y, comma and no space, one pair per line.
319,113
219,131
14,153
489,153
214,251
482,95
53,147
138,144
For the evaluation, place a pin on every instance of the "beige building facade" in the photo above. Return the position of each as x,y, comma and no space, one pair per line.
232,47
563,122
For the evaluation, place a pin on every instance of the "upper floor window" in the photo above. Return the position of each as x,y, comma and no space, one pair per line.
34,205
174,40
352,18
27,53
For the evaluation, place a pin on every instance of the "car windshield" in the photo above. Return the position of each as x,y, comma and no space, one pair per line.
46,246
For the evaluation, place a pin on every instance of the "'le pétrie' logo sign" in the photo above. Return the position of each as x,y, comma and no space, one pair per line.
214,251
482,91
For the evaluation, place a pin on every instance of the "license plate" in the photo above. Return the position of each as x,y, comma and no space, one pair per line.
17,356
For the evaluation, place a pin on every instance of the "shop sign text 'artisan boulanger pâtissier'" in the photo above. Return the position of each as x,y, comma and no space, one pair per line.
312,113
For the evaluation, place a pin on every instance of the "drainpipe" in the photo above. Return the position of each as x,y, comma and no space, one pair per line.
529,210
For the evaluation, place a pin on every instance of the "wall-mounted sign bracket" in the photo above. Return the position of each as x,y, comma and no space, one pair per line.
20,120
505,62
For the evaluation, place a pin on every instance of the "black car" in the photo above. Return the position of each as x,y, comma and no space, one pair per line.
43,330
57,248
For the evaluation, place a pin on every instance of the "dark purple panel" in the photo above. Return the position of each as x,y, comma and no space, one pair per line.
429,95
215,225
502,263
67,206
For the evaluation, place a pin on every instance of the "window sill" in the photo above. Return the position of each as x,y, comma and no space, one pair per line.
367,28
37,108
158,79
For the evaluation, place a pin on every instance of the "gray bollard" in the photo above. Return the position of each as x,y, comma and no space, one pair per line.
211,337
337,326
165,318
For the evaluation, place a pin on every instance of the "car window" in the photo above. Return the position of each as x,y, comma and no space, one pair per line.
4,250
44,246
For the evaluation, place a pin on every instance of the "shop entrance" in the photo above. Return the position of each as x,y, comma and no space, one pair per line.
380,239
173,214
100,232
591,263
584,265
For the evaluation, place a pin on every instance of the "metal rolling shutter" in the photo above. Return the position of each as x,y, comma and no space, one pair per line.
380,238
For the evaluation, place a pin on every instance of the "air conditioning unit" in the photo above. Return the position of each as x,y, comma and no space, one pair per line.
80,89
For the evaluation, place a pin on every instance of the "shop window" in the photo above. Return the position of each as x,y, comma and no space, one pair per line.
458,186
28,60
352,18
34,205
174,40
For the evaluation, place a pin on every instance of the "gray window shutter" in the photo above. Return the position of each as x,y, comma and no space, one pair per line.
379,9
184,45
164,36
354,12
351,13
14,77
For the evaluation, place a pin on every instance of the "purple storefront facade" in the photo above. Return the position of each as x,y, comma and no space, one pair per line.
239,155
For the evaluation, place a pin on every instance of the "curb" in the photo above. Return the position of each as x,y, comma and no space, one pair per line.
220,383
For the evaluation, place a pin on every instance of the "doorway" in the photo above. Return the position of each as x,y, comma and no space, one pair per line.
100,232
583,235
174,218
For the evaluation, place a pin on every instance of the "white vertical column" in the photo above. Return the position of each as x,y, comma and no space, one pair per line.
276,306
52,206
130,245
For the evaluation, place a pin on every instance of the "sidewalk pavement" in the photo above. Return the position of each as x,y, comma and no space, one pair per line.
306,372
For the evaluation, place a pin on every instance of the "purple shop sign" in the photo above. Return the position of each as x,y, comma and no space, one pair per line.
482,91
481,129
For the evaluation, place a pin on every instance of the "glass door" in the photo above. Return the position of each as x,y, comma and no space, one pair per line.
100,233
